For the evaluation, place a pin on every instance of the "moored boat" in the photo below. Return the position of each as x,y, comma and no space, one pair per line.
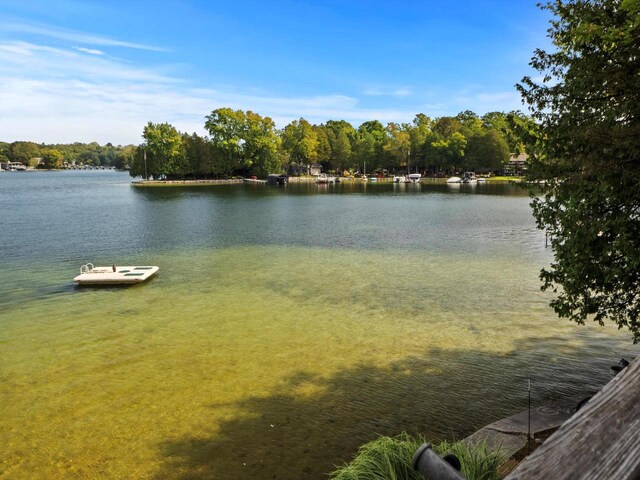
454,180
469,177
322,179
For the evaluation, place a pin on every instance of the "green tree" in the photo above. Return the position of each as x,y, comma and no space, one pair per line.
200,156
446,126
107,155
23,152
486,149
261,145
470,123
162,152
324,147
300,141
448,153
368,145
124,157
52,159
398,145
419,133
341,135
587,157
513,126
226,128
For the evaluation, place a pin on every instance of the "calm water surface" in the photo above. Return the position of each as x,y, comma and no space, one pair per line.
287,326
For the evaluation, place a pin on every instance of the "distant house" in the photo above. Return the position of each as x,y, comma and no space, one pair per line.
315,169
516,165
296,169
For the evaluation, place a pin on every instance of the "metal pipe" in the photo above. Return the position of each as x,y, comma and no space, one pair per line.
432,466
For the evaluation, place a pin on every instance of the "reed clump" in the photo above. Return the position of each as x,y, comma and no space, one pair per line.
389,458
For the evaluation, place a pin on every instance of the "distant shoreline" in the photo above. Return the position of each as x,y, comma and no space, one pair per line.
237,181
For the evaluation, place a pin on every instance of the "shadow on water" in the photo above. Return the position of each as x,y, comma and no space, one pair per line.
309,424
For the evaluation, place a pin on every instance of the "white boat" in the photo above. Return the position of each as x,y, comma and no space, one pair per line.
414,177
469,177
15,167
90,275
454,180
397,179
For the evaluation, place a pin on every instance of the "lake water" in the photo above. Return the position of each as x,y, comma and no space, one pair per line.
287,326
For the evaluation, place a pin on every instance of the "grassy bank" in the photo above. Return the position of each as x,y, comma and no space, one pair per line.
390,458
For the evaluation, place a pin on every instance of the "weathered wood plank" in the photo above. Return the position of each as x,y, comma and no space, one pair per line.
601,441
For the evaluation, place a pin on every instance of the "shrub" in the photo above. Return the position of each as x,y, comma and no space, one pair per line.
389,458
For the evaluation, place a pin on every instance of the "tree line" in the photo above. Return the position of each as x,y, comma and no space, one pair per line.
246,143
55,155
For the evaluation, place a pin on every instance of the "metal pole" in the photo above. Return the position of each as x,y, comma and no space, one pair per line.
529,425
145,165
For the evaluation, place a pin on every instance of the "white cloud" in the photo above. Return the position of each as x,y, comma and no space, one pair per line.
483,102
73,94
37,61
61,95
90,51
402,92
377,91
74,36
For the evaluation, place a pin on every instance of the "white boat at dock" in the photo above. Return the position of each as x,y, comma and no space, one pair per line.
14,167
454,180
414,177
469,177
324,179
90,275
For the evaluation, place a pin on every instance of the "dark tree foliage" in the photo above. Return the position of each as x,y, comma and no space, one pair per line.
486,149
587,159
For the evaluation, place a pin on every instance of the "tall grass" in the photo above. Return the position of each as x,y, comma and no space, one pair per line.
478,461
389,458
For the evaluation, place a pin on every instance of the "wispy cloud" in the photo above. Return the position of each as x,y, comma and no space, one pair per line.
74,36
34,61
376,91
90,51
63,95
66,94
482,102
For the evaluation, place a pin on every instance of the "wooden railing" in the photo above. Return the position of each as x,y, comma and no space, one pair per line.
601,441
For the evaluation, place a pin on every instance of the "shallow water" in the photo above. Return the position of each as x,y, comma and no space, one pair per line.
287,326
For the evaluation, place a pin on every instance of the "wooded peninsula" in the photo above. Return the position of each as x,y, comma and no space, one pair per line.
244,143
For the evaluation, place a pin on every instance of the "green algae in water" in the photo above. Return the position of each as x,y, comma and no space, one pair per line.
267,360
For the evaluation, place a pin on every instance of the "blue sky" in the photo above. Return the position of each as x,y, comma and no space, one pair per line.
82,70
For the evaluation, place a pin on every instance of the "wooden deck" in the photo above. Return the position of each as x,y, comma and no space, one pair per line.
601,441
